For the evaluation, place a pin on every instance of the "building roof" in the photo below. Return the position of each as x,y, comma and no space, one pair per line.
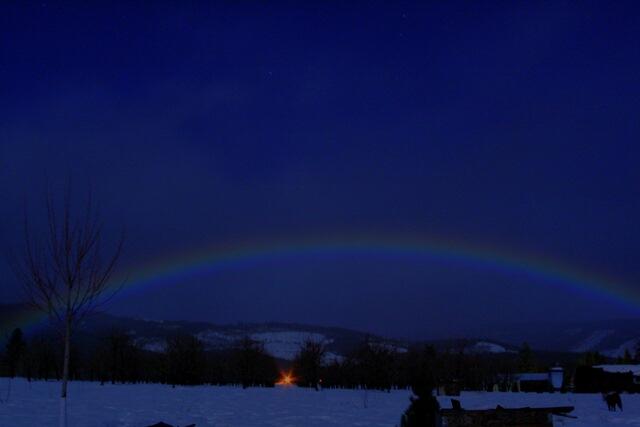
634,369
532,376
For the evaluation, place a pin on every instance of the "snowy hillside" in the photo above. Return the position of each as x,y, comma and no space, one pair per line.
611,338
282,344
631,347
592,341
286,344
281,340
487,347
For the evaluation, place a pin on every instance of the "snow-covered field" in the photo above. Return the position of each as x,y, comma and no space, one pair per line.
92,405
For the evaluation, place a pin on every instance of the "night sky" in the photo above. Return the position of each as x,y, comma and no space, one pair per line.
513,125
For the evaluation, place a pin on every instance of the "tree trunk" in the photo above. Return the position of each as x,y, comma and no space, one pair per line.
65,371
67,355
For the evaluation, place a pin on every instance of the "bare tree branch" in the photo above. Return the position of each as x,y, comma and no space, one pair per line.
62,271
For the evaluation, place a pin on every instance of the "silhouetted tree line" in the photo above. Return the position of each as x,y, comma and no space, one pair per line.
374,365
117,358
38,359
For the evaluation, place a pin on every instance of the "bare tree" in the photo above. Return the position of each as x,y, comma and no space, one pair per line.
63,270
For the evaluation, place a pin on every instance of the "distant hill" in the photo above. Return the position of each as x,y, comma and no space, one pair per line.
283,340
609,337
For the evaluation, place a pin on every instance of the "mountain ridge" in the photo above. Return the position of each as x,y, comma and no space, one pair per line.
610,337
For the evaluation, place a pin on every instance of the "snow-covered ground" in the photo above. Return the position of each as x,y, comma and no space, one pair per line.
92,405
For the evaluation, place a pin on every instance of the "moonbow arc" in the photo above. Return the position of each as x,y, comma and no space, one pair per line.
174,269
470,255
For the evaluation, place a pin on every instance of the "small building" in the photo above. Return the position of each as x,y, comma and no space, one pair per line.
634,370
537,381
532,382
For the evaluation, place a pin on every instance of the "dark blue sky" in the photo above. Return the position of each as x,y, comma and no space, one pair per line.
508,124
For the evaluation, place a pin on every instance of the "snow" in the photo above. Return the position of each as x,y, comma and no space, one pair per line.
330,357
216,339
635,369
92,405
281,344
532,376
593,340
629,346
286,344
154,345
389,347
486,347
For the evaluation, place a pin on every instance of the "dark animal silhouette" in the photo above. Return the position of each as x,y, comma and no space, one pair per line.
613,400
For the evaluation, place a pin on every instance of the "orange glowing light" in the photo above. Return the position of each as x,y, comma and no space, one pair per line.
286,378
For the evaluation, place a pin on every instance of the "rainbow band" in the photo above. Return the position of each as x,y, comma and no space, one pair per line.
172,270
246,256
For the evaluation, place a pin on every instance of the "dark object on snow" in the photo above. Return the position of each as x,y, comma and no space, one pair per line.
423,411
590,379
161,424
613,400
531,417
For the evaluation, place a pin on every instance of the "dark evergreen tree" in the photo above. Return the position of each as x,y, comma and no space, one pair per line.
591,358
308,364
334,375
526,362
252,365
185,361
375,363
116,359
15,352
43,361
422,364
